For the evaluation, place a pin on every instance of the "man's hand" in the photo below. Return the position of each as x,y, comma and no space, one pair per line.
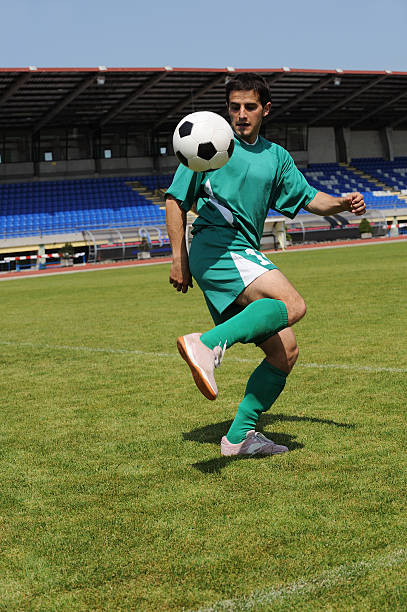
325,205
180,275
354,203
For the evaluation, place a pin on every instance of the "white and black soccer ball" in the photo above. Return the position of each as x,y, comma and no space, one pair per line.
203,141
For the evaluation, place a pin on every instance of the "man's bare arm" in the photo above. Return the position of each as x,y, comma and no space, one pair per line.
180,275
325,205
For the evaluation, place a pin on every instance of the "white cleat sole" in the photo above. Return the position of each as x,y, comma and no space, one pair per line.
200,378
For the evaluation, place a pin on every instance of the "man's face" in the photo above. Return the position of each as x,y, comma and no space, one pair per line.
246,114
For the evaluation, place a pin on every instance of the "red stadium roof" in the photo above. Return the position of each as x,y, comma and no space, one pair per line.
155,99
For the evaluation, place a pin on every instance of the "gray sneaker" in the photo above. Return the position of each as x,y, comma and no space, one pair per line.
254,444
202,362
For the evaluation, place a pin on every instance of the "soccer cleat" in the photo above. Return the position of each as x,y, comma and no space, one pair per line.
254,444
202,362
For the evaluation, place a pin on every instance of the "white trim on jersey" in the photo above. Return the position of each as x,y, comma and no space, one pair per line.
225,212
251,144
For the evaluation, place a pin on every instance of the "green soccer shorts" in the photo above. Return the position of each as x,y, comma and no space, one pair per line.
223,263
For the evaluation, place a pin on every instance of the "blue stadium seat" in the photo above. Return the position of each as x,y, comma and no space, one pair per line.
392,173
56,206
336,180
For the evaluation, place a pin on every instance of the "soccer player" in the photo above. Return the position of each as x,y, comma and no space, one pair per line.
249,299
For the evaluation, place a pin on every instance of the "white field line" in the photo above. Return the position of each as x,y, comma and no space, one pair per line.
116,351
334,246
342,575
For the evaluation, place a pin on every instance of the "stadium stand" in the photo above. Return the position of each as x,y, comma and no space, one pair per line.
50,207
338,179
85,157
390,173
61,206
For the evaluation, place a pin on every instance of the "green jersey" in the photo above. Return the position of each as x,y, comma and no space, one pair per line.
257,178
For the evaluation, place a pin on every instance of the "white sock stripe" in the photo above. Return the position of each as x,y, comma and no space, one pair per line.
326,580
117,351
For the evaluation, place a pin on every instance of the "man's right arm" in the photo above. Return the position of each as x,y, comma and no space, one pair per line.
180,275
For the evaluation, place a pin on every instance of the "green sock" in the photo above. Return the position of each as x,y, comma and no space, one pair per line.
263,388
257,322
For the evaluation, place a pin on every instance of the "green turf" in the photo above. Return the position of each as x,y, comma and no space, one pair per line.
113,495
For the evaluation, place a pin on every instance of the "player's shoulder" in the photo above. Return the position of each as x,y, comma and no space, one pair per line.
185,174
274,148
280,155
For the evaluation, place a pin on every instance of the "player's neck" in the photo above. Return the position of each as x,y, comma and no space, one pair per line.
251,144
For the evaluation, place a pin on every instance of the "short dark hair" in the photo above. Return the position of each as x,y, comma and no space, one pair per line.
245,81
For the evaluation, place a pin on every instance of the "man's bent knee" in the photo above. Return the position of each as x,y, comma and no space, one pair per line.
296,309
301,308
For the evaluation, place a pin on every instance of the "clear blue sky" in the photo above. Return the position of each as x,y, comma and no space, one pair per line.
327,34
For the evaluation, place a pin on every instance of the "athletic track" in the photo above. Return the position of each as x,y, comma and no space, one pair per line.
157,260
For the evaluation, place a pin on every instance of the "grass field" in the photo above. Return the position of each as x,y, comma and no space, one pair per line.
113,495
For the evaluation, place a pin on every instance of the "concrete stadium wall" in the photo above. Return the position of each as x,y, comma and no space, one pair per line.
366,143
58,168
321,145
399,138
300,158
167,164
16,171
87,167
131,165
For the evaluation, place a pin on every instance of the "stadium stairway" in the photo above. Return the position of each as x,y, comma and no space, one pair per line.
341,178
389,176
157,187
155,196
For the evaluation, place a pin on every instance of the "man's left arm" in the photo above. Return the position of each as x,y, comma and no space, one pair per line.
326,205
